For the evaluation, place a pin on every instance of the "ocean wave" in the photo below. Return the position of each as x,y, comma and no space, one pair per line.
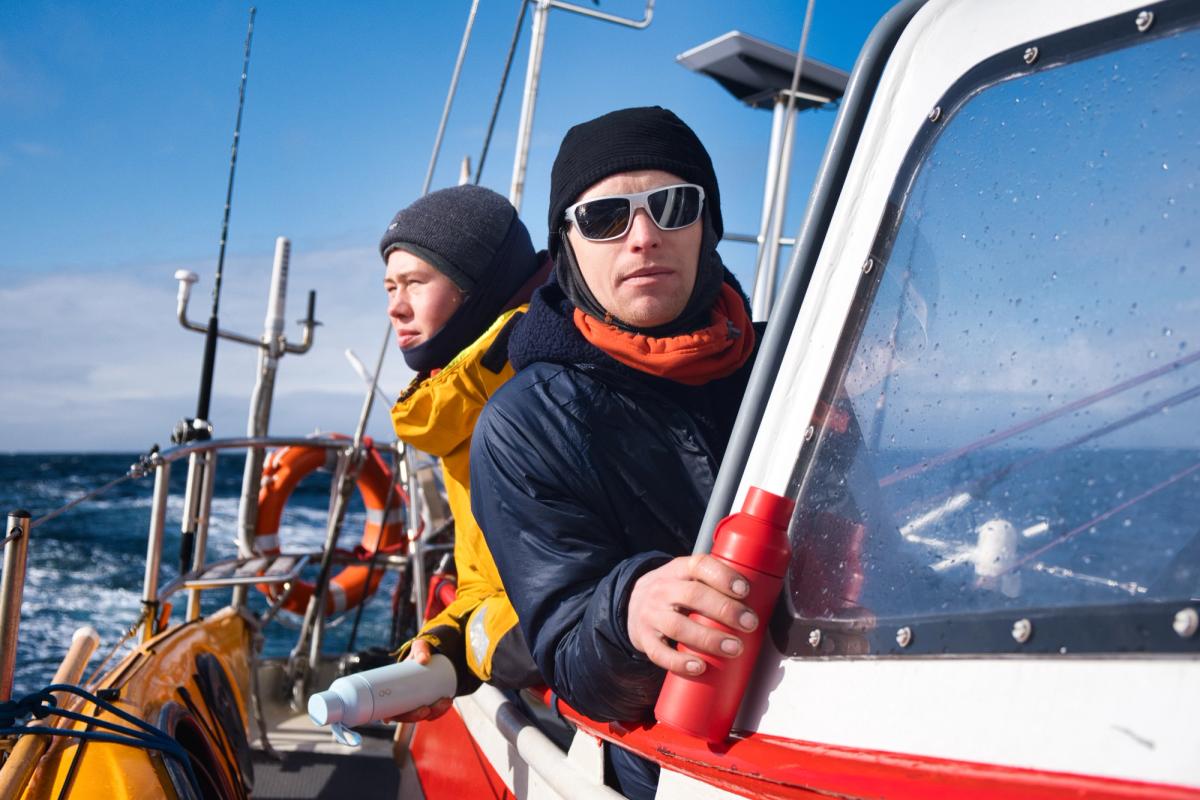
86,566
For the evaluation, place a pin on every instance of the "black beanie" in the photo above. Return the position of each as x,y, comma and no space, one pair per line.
623,141
473,236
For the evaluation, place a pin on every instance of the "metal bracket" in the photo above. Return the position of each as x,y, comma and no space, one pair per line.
186,278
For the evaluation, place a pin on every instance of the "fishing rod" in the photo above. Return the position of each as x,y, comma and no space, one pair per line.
200,427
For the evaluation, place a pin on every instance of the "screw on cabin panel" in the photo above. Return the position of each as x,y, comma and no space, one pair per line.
1031,55
1144,20
814,637
1022,629
935,114
904,636
1186,622
868,265
808,433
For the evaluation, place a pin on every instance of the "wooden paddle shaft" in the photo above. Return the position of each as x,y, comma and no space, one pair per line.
19,768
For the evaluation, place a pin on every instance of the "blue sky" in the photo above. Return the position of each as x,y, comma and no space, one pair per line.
115,124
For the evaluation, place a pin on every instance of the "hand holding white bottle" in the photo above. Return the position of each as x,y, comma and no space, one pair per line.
379,694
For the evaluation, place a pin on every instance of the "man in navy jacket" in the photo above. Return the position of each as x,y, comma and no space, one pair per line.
591,467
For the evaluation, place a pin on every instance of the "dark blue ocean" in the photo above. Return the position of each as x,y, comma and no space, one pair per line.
86,566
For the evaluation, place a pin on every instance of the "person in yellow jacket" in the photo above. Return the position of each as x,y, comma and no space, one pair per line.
460,269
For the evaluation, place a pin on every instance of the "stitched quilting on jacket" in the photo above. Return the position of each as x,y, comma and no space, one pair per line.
586,474
437,415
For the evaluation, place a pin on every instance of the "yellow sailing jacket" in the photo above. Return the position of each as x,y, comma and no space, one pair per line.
437,415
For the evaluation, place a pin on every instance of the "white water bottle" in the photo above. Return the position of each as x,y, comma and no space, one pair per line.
380,693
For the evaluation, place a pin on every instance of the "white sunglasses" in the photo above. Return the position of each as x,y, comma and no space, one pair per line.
602,219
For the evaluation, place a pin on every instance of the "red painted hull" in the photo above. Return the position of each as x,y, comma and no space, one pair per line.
450,764
755,765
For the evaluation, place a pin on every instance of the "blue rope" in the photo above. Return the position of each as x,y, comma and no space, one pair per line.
43,703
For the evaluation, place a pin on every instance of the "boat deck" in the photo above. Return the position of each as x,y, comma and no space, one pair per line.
315,766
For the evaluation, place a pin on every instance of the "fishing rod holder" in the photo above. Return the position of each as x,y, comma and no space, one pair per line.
276,344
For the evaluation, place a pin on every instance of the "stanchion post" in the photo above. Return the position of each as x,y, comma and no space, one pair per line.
12,587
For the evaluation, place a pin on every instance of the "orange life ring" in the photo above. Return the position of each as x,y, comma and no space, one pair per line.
282,472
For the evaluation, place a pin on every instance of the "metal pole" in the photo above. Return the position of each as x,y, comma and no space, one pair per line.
259,420
191,510
462,54
158,520
640,24
210,478
783,181
301,666
768,259
315,613
349,466
759,307
418,524
12,587
541,14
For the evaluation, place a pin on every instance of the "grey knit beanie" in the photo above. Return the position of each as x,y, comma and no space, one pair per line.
457,230
472,236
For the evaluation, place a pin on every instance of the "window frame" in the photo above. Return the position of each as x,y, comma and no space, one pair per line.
1144,626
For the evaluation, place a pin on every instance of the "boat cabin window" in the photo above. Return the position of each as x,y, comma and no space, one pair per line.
1008,444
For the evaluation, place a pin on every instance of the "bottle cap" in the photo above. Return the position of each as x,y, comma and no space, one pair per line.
325,707
756,537
772,508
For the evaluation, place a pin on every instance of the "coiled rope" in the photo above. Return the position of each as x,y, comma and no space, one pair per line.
138,733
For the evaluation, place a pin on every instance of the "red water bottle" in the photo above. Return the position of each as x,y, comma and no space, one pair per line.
754,542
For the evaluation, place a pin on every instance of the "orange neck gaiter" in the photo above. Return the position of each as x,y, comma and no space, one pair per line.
690,358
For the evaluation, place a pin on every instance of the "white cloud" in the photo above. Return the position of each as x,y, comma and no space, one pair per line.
97,360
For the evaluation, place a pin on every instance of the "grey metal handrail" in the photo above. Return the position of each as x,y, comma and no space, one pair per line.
851,118
237,443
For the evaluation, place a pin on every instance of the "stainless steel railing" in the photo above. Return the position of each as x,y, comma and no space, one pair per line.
198,507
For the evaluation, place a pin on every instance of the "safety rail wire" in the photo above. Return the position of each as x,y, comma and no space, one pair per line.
508,60
441,131
154,458
81,499
1071,534
129,633
1042,419
41,704
979,486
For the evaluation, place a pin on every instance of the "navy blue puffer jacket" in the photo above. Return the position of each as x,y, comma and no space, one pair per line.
585,474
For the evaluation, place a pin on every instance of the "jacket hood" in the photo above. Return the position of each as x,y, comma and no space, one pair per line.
438,414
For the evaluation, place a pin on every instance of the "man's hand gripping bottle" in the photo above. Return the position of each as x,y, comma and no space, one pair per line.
754,542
